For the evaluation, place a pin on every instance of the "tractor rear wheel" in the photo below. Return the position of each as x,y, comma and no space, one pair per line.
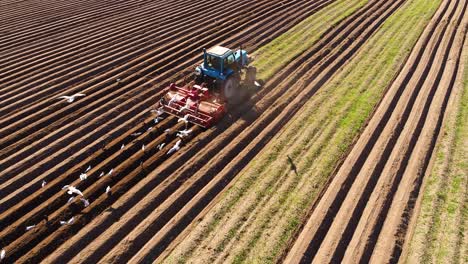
232,91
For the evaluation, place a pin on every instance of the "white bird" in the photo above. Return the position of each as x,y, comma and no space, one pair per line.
257,84
71,98
123,146
87,169
69,222
173,100
136,134
85,202
157,119
175,148
185,119
72,190
30,227
184,133
102,174
143,147
2,254
43,184
158,111
149,128
83,176
108,189
71,200
167,130
160,146
110,172
183,108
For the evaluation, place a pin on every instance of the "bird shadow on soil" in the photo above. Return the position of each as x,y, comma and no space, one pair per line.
291,163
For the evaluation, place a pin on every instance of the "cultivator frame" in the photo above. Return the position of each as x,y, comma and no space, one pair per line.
195,102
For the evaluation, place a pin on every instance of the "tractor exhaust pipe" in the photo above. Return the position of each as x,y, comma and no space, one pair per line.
241,57
204,57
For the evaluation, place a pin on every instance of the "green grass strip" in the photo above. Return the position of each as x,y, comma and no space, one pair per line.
272,57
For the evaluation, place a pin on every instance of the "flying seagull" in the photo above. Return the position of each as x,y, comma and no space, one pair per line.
71,200
185,107
43,184
83,176
160,146
85,202
173,100
71,98
72,190
69,222
158,111
185,119
30,227
175,148
184,133
157,119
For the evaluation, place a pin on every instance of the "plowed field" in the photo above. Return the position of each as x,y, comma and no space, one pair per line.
122,54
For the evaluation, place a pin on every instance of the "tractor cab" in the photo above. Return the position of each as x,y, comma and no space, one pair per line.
220,63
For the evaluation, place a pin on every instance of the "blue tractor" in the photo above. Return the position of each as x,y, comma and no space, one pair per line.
221,70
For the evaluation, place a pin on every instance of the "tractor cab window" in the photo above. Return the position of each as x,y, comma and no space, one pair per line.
230,62
213,62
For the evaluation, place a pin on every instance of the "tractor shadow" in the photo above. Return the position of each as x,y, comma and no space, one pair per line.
245,108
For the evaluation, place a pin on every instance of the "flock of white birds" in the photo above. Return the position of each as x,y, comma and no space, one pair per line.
75,192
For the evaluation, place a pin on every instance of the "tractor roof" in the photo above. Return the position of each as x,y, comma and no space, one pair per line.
219,51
